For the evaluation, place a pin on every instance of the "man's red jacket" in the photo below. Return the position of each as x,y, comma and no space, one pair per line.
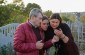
25,40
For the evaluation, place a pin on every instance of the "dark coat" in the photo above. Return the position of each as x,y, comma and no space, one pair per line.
69,48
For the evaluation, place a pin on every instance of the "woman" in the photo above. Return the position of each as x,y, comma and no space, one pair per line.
44,23
65,45
44,26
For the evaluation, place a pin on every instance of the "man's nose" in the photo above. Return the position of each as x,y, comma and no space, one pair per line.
46,26
55,23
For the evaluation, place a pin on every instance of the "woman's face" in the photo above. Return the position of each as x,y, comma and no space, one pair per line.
54,23
44,24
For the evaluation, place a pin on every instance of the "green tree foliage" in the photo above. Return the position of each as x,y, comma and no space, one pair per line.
65,18
48,13
1,1
4,14
15,13
82,18
68,17
72,17
29,7
17,1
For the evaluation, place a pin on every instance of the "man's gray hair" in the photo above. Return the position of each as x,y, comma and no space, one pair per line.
35,12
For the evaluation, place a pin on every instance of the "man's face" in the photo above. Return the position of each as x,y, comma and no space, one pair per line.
38,20
44,24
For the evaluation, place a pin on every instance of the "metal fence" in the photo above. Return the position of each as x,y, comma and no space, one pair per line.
78,31
7,33
6,39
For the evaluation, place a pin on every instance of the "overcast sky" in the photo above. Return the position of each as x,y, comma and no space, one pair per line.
59,5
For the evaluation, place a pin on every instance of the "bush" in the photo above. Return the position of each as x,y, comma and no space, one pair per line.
7,50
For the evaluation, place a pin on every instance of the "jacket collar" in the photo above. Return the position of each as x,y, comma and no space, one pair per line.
32,24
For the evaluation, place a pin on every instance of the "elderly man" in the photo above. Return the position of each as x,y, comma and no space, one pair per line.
29,38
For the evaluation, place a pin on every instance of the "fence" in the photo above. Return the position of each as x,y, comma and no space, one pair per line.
6,39
79,35
7,33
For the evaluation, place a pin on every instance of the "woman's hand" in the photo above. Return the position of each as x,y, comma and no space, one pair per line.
55,39
59,33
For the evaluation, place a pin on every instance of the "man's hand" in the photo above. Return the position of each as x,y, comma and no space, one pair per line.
39,45
55,39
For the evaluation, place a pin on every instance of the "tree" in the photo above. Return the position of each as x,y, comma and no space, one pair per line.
2,1
11,13
17,1
68,17
82,18
29,7
72,17
48,13
65,18
4,14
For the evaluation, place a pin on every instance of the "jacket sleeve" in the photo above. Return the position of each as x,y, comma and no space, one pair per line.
48,44
71,44
19,41
67,32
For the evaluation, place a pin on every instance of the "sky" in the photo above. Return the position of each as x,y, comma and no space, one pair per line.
58,5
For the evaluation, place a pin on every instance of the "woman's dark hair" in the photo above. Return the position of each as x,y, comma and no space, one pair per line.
56,16
44,18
